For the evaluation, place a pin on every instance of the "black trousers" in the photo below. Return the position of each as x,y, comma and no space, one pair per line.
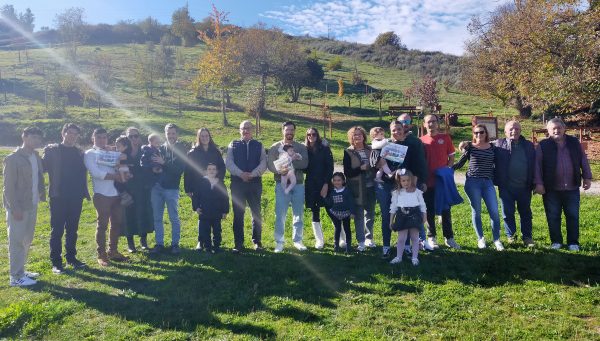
64,219
243,193
429,197
338,225
204,227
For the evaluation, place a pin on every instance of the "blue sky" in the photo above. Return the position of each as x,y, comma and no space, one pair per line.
432,25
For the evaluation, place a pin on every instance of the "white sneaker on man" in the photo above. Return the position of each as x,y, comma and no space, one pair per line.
433,242
22,282
556,246
370,243
299,246
342,243
498,245
574,247
481,243
278,248
32,275
360,247
451,243
427,246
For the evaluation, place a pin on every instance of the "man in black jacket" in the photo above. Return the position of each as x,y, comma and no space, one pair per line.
166,189
68,186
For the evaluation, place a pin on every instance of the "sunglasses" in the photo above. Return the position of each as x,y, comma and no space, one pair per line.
311,134
479,132
133,136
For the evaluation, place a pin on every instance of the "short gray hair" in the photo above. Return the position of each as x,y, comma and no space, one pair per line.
556,120
246,122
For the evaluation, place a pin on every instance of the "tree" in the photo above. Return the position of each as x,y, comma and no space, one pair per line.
297,71
388,39
26,20
539,53
151,29
145,68
70,25
427,92
182,26
335,64
103,77
219,66
165,63
9,17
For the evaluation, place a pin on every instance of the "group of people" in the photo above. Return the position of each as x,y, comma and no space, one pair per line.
410,178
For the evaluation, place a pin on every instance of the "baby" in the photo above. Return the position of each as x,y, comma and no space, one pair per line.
378,141
150,151
288,181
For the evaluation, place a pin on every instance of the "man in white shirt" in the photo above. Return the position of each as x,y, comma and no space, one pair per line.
106,198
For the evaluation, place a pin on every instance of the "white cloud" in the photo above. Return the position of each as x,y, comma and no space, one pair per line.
431,25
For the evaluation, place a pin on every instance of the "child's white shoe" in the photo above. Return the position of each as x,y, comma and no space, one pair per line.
396,260
415,261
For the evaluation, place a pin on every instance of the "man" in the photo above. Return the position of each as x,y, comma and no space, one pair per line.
106,198
246,162
515,164
414,161
68,186
561,165
23,190
406,121
296,195
166,189
439,152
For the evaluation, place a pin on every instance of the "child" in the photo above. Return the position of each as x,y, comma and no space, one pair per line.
150,151
123,145
408,209
378,141
288,181
211,202
341,206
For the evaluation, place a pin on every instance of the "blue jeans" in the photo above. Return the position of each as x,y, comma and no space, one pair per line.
555,202
159,197
522,198
282,203
383,192
364,216
482,188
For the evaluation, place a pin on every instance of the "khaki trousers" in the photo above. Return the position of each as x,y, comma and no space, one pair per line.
20,236
107,208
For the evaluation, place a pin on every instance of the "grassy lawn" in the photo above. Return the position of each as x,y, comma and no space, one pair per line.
467,294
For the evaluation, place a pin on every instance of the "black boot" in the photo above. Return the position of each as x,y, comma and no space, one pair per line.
143,242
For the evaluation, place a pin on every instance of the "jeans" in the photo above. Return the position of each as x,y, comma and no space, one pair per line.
282,202
242,193
204,227
64,219
556,202
429,197
482,188
159,197
522,198
364,217
383,192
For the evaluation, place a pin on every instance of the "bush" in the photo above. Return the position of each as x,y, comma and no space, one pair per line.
335,64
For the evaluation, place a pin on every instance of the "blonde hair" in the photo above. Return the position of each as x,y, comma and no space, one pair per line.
375,131
351,132
153,137
398,177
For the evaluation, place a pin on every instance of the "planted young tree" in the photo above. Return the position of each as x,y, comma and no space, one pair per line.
145,69
103,77
164,58
219,66
428,93
70,25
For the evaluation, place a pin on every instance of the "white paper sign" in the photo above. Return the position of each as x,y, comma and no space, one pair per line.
394,152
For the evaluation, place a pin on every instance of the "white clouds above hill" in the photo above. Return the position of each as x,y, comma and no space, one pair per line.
431,25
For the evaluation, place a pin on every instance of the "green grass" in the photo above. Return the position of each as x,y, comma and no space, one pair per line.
467,294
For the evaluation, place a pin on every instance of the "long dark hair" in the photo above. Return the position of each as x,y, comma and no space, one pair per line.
318,143
126,142
211,143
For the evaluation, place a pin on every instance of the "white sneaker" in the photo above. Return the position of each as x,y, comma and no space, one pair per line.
342,243
278,248
319,246
498,244
574,247
22,282
451,243
360,247
370,243
427,246
481,243
32,275
556,246
396,260
433,242
415,261
299,246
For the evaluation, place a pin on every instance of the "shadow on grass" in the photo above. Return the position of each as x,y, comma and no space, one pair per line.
191,290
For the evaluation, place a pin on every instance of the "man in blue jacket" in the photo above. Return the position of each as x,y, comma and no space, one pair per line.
515,165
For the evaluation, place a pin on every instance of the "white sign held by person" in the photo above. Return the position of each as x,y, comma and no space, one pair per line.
394,152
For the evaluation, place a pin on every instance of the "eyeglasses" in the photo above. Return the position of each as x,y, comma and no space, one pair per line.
311,134
479,132
404,121
133,136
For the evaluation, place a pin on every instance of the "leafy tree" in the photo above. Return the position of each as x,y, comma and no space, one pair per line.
219,66
70,24
297,71
428,93
182,26
151,29
26,20
335,64
165,63
145,69
102,73
388,39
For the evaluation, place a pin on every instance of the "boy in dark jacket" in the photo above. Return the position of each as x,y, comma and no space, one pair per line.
211,201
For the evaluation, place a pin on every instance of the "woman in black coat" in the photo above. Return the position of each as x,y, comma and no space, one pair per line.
318,175
204,152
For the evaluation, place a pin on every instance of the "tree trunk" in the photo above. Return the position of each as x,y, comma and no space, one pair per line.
223,92
524,110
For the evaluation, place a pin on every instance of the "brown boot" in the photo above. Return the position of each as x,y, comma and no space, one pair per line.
116,256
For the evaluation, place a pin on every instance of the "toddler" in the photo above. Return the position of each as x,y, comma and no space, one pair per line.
378,141
150,151
340,207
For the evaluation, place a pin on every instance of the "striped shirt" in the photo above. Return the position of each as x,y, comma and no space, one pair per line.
481,162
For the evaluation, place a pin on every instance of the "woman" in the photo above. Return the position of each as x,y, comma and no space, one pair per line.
205,152
138,215
479,183
318,175
360,179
